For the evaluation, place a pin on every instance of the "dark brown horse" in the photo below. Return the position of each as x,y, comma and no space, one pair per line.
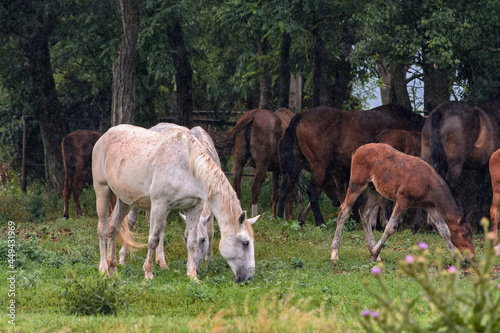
460,136
77,158
254,139
411,183
322,141
495,204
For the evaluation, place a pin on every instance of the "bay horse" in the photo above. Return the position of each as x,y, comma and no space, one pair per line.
411,183
205,228
254,140
494,166
160,172
77,158
322,141
457,135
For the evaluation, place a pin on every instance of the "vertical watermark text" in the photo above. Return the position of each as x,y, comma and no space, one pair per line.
11,274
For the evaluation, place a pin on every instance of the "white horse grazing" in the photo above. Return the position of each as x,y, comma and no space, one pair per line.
205,229
161,172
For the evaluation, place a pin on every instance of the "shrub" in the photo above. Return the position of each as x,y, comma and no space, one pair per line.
35,206
91,295
474,309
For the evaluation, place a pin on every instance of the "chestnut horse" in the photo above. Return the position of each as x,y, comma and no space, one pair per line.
406,142
495,204
322,141
457,135
411,183
77,158
254,139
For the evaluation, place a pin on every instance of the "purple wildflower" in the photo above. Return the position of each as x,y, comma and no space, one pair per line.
366,313
423,246
375,314
409,259
376,270
452,269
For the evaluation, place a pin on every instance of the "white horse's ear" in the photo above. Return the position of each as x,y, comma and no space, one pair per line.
242,217
183,217
253,219
205,219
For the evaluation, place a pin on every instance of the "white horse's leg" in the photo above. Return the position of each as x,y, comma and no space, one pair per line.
210,232
103,195
442,228
120,211
132,220
160,253
391,227
192,219
157,222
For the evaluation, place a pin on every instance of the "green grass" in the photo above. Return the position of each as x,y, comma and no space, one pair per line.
296,286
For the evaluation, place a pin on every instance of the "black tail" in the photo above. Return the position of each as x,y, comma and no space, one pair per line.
287,162
438,159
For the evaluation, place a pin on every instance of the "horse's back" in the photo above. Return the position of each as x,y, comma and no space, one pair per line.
127,158
405,141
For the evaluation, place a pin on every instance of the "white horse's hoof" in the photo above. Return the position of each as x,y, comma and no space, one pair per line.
162,264
148,276
335,255
497,249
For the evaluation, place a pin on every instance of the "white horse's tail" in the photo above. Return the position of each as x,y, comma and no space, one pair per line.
126,237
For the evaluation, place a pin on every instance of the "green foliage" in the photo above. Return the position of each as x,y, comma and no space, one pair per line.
454,308
35,206
91,295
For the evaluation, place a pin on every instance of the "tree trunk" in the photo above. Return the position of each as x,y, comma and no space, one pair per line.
124,66
265,99
284,76
319,71
53,128
437,87
340,91
399,90
183,75
384,74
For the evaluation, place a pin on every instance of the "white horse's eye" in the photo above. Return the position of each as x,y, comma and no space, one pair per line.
202,240
245,243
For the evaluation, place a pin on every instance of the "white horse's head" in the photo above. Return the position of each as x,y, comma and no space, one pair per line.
238,248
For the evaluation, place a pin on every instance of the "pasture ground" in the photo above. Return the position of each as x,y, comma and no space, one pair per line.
296,287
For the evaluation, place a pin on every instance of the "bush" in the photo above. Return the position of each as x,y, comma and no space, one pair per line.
91,295
475,310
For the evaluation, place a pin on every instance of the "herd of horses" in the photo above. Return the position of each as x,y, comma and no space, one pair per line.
388,153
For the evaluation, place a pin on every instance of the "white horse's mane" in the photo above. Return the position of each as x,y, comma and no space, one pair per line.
204,169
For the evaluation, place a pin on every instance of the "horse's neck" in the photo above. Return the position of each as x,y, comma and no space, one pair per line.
224,212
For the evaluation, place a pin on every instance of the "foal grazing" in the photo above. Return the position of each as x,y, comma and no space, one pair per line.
495,204
411,183
161,172
77,158
254,139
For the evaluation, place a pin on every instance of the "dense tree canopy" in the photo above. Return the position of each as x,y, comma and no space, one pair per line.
56,59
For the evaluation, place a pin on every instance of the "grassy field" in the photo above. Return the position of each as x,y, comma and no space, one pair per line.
296,286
